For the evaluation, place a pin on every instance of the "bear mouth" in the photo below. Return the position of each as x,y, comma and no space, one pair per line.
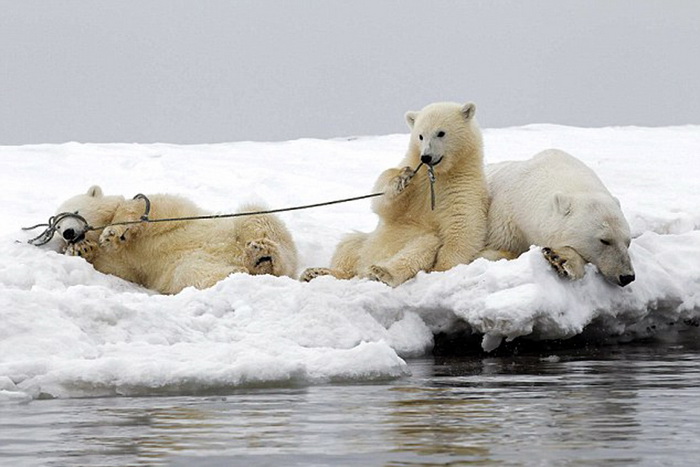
434,163
78,238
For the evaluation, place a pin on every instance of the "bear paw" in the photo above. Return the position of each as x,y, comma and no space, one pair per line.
380,274
114,237
261,256
402,180
85,249
565,261
312,273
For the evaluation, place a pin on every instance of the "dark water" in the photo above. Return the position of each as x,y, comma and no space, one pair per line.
634,404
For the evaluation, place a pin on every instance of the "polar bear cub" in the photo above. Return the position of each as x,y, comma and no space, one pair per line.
411,236
555,201
169,256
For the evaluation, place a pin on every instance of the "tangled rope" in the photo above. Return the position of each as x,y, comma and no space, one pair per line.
54,221
46,236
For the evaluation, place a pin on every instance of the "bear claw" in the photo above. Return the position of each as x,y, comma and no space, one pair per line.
312,273
566,262
85,249
113,237
380,274
402,180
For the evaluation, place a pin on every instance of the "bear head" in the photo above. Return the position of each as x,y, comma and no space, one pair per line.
595,227
97,210
442,133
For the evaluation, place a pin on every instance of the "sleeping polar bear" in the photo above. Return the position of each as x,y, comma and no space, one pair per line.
555,201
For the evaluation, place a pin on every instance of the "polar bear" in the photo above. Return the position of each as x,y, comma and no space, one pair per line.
169,256
555,201
410,235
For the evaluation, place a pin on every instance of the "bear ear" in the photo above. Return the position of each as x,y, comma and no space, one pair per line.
410,117
468,110
94,191
562,204
619,205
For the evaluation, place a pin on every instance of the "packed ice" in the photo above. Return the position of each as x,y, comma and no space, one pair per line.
68,331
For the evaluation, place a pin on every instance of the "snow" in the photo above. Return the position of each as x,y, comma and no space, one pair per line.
69,331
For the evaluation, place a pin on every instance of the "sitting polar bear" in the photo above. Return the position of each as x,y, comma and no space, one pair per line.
411,236
555,201
169,256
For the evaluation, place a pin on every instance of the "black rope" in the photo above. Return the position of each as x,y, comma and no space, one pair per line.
52,225
45,237
145,218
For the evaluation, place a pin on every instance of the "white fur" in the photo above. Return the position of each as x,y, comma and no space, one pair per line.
554,200
410,236
170,256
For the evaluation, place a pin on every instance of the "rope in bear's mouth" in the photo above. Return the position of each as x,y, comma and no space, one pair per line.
53,223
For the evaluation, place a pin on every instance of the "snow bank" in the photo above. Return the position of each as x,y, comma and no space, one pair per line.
69,331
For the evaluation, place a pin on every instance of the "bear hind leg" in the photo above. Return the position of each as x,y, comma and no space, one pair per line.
200,272
419,254
344,262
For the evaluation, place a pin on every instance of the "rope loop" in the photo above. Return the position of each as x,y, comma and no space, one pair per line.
147,211
54,221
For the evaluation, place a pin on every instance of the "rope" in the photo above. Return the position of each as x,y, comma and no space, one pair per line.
431,177
145,218
46,236
52,225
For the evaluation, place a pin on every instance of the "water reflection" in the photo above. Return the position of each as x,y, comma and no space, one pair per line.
615,405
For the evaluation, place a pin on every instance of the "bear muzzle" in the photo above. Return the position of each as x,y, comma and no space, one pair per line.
625,279
73,236
430,159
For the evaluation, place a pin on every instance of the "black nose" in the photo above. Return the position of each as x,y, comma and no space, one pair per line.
426,159
69,234
624,280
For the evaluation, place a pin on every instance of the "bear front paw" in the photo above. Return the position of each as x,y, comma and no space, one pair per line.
85,249
114,237
261,256
312,273
402,180
380,274
566,262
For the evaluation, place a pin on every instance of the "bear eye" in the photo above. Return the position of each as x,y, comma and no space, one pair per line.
605,242
420,137
440,134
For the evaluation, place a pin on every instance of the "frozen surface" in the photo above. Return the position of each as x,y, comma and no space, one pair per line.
69,331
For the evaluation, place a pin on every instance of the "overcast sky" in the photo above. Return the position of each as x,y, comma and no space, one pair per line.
192,71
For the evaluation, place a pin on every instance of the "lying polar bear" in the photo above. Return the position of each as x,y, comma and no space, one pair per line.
555,201
169,256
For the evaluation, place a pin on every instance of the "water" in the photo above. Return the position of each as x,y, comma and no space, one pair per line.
634,404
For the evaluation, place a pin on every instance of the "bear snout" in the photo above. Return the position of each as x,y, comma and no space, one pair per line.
71,236
430,159
626,279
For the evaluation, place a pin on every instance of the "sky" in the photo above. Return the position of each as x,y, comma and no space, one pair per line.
190,71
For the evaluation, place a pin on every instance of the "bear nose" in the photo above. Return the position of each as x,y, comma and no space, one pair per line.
72,236
426,158
624,280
